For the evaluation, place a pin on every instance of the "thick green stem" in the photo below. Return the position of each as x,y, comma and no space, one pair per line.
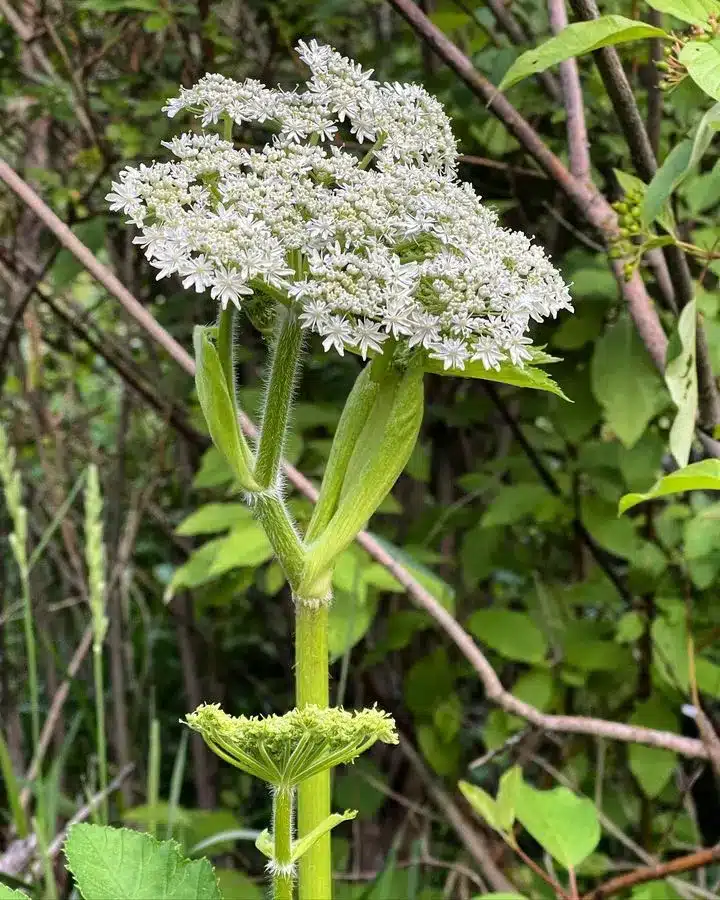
101,743
282,849
275,519
283,371
312,687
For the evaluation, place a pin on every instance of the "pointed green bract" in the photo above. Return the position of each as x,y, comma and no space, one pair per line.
379,455
528,376
219,409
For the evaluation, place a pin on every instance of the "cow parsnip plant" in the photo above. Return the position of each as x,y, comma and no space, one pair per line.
382,253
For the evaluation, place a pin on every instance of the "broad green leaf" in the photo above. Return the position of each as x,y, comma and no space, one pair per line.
117,862
620,359
700,476
528,377
708,127
7,893
670,174
575,40
561,822
515,502
513,635
443,755
670,641
652,767
681,379
214,517
702,60
301,846
219,409
694,12
510,786
350,616
247,545
481,802
196,570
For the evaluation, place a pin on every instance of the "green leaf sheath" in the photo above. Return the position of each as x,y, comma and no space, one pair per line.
278,398
354,417
219,409
312,687
282,844
381,451
576,39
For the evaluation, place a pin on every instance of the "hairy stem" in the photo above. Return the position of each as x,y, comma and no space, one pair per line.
282,839
225,347
312,687
283,371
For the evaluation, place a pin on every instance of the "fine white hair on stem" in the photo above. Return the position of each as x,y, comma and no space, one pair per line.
382,246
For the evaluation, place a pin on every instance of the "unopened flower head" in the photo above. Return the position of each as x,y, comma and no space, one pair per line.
367,246
287,749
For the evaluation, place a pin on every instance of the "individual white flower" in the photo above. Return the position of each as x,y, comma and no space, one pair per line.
396,248
228,286
451,352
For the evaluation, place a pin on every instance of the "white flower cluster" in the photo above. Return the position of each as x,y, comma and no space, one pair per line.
368,248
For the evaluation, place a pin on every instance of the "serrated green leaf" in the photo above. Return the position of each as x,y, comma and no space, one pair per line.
247,545
700,476
512,634
694,12
7,893
561,822
527,377
575,40
118,862
702,60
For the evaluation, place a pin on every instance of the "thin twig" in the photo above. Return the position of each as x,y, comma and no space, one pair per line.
578,146
655,873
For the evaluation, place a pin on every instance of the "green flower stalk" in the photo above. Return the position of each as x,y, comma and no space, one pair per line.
95,559
386,255
12,487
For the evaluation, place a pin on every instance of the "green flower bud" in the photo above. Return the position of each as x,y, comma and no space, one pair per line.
285,750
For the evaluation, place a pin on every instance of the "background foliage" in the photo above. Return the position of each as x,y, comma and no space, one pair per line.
507,511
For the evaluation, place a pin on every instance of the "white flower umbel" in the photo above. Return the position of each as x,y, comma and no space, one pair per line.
370,245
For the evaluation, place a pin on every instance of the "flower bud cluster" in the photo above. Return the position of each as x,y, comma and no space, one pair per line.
285,750
629,211
385,245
